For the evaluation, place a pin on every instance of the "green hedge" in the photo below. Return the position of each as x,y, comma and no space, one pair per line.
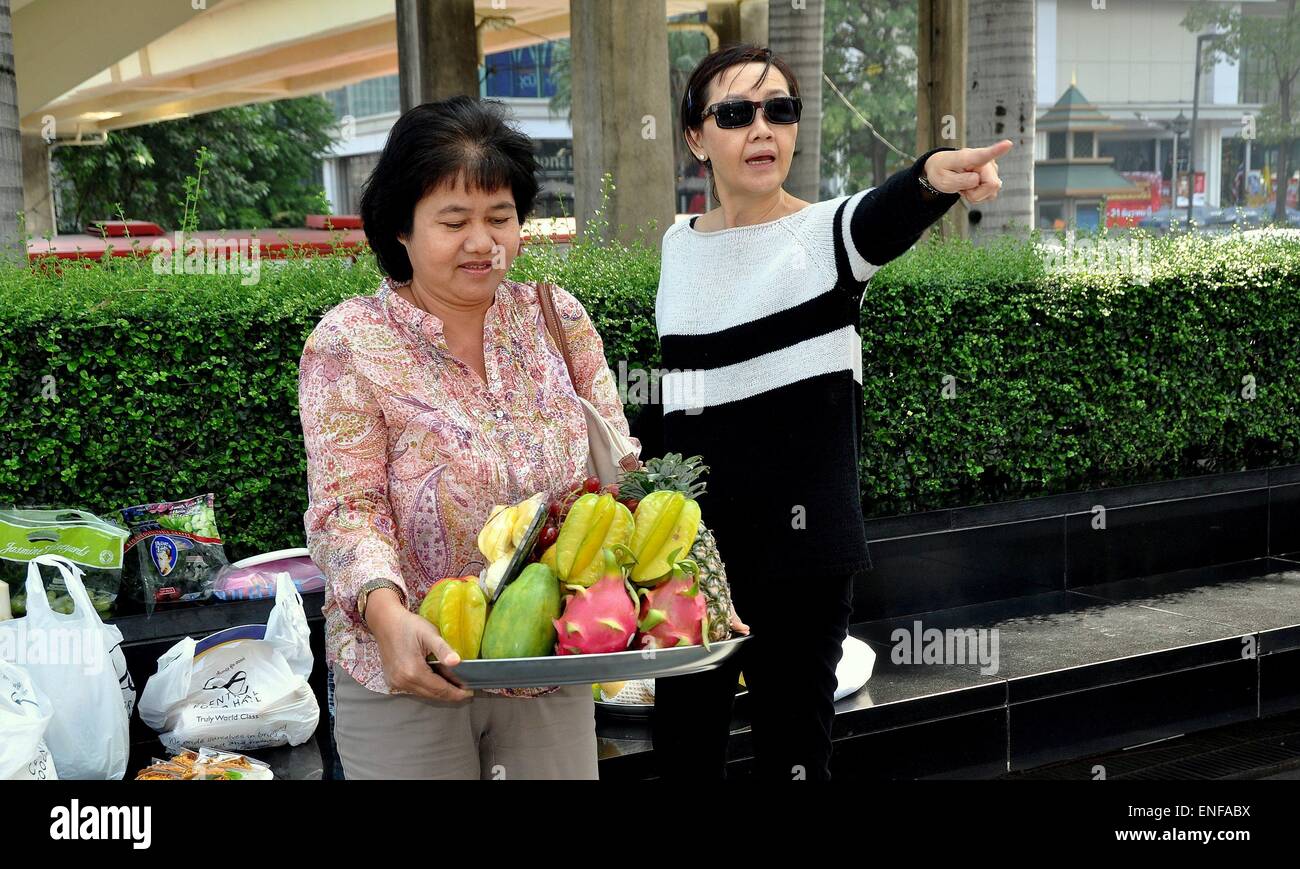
170,386
1076,381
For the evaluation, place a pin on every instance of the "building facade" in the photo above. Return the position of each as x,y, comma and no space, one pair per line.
1136,63
522,78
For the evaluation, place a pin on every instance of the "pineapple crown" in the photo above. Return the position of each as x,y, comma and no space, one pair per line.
672,473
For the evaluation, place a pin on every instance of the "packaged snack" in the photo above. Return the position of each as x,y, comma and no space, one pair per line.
93,544
206,764
178,549
164,770
215,765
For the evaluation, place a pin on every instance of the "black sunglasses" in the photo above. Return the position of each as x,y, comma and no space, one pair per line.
740,113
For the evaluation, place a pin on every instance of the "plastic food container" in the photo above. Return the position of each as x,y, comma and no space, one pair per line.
254,578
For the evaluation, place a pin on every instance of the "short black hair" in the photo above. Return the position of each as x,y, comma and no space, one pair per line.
433,144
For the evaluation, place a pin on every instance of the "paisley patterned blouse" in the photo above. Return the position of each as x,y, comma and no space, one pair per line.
408,448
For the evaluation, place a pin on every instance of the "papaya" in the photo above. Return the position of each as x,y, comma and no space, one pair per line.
522,622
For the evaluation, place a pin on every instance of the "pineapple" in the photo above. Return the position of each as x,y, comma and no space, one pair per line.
713,579
675,474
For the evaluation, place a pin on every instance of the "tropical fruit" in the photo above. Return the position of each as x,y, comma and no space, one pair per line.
548,557
459,610
712,575
502,535
601,618
433,598
522,622
672,473
674,613
595,522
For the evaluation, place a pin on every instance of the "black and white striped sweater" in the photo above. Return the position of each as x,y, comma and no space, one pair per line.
759,331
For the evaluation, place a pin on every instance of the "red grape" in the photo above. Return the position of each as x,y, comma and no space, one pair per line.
633,504
591,484
549,535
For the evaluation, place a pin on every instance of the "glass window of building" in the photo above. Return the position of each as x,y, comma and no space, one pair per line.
1083,144
555,160
1258,84
1056,146
1087,213
1051,215
1131,155
522,73
374,96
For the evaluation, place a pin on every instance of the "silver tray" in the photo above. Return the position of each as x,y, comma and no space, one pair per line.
585,669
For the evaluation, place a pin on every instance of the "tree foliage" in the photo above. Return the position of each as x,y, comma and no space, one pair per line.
1276,41
870,55
261,173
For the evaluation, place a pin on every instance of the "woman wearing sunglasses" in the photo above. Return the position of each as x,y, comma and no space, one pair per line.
758,309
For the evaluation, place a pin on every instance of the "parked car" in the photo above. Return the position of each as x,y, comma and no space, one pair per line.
1165,219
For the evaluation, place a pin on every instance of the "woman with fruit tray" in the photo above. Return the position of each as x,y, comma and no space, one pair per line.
422,406
757,309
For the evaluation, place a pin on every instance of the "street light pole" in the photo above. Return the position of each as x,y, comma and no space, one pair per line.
1179,126
1191,145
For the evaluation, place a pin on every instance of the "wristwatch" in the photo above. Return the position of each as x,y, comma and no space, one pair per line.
374,585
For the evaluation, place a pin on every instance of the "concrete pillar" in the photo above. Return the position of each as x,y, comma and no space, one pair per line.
724,18
739,21
38,192
622,118
1000,104
796,34
941,89
437,50
753,21
11,165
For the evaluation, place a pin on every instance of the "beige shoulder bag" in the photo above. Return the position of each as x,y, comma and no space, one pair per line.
609,452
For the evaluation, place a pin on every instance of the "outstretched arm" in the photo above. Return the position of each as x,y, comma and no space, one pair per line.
890,218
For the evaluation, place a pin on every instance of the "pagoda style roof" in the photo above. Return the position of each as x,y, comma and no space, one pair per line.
1073,112
1062,180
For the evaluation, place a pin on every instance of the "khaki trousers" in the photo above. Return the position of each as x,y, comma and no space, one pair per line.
400,736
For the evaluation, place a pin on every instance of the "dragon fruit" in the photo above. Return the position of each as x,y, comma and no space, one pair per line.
674,613
601,618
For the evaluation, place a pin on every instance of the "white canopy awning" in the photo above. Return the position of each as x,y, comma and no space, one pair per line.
87,66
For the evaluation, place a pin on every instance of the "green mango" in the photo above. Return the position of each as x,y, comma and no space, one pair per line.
522,622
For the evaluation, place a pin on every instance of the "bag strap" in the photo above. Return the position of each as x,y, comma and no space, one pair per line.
545,295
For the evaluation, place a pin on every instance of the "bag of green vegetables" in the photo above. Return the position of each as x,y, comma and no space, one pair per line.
79,536
179,550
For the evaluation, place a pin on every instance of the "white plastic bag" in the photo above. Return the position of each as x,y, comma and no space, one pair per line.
854,668
24,715
242,688
76,662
